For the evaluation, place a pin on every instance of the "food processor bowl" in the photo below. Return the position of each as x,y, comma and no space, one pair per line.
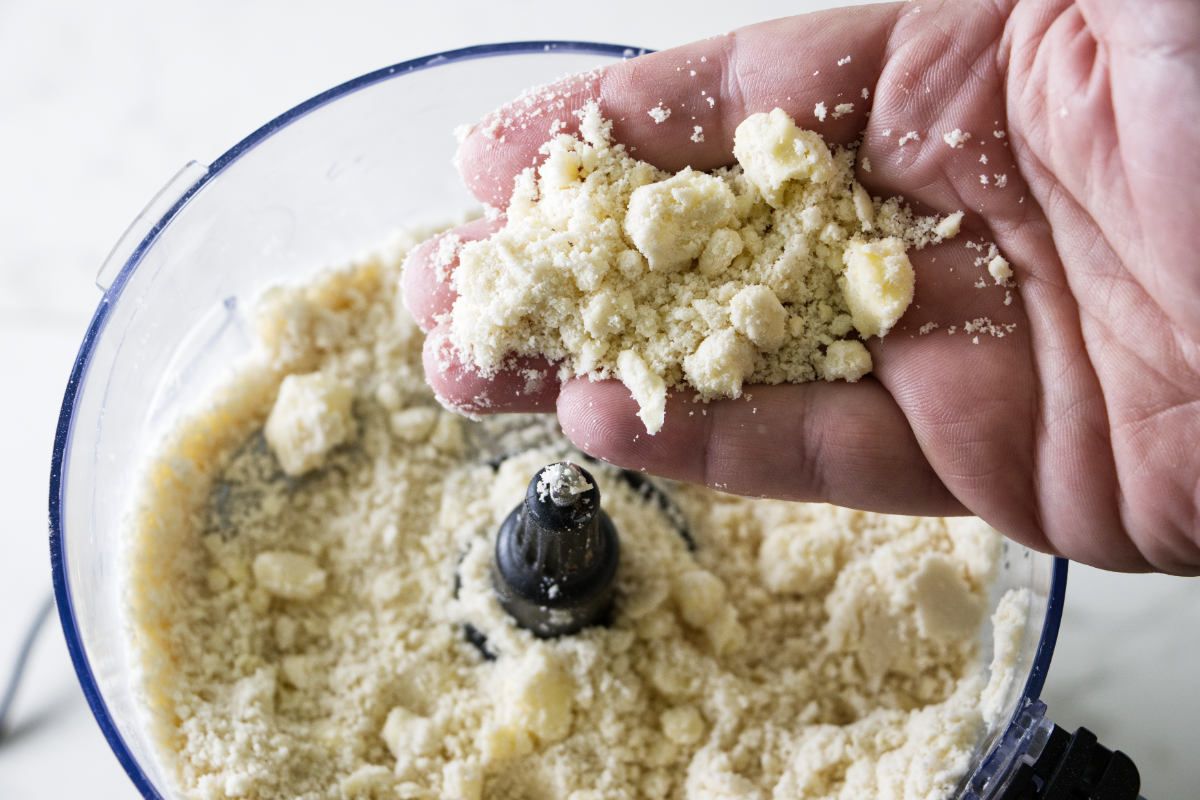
332,178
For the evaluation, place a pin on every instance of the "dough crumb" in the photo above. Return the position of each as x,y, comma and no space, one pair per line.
956,138
311,416
747,274
1000,270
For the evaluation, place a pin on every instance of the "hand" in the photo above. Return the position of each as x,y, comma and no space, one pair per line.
1078,431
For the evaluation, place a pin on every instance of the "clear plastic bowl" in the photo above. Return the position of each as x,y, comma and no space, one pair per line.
331,178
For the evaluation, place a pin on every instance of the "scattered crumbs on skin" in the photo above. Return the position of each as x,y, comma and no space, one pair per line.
819,111
692,72
703,59
1000,180
927,328
986,326
981,284
444,255
815,74
999,134
887,132
866,93
866,164
842,109
1008,298
843,61
712,103
697,134
982,158
492,128
911,136
659,113
1062,111
533,381
956,138
983,179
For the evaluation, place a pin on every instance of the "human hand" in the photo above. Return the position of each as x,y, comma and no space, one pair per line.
1075,433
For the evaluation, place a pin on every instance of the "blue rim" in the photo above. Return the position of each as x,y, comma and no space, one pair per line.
62,434
1050,626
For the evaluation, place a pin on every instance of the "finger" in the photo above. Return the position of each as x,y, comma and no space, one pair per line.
527,384
712,85
426,281
831,442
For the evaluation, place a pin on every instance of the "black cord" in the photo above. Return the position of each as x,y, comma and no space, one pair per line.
14,681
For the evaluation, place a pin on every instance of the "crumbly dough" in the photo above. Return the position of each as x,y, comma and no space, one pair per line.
311,416
748,274
306,637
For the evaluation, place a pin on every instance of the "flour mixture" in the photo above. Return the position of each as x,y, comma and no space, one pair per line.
313,613
312,567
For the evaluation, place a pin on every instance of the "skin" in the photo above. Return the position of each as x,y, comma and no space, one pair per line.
1078,432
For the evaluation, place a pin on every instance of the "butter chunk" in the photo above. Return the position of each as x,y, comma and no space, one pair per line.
947,608
671,221
723,247
408,735
682,724
311,416
538,696
877,284
700,596
1000,270
292,576
847,360
413,424
720,364
949,226
757,313
774,152
648,388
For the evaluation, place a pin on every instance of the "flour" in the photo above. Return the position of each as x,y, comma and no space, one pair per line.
615,269
306,635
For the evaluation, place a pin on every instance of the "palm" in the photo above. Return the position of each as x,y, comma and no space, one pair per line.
1066,432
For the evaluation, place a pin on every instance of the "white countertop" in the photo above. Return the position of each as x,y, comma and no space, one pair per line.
100,103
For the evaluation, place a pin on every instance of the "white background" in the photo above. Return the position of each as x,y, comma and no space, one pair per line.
101,102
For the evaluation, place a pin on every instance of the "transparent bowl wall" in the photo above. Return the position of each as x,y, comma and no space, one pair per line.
332,178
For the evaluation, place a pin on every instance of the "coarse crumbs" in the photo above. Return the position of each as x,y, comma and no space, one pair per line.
304,638
304,635
613,268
